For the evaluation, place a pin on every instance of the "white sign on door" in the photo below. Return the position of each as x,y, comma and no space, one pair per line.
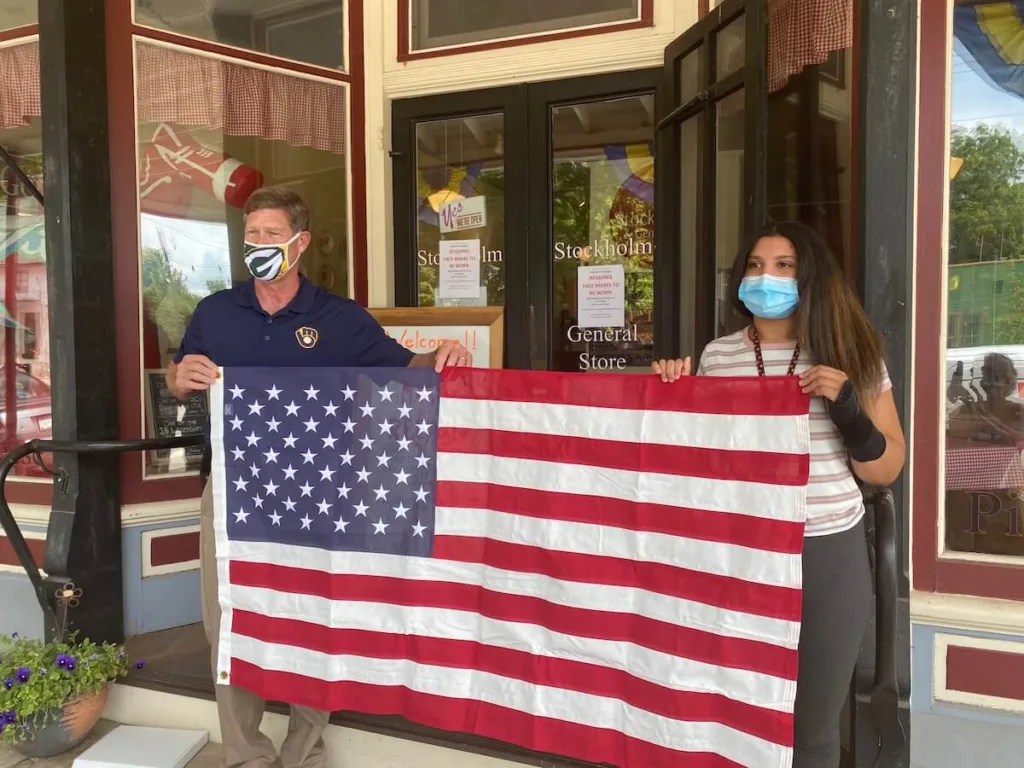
459,269
601,296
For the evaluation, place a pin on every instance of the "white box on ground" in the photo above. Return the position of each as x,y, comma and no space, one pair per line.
129,746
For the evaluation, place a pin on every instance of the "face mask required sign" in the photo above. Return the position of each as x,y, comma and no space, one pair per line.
601,296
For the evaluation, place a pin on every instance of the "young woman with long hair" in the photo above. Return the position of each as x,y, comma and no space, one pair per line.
806,320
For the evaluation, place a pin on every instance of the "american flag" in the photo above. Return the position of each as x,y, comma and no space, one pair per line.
602,567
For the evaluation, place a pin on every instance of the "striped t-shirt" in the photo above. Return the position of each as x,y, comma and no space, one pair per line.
834,502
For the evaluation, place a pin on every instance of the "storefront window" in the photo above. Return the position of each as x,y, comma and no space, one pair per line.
310,31
25,412
603,235
210,133
18,13
984,383
444,23
460,247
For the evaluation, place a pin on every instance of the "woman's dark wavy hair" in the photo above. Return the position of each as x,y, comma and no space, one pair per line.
832,325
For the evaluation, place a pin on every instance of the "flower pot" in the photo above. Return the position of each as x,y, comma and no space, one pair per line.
69,726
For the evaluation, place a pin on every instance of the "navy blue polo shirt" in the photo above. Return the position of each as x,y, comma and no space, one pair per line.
316,330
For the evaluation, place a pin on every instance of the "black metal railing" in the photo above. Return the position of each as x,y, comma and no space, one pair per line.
35,450
883,540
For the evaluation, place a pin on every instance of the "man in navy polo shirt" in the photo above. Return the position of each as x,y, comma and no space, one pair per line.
278,318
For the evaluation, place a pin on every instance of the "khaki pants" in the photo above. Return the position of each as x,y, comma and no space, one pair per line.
240,711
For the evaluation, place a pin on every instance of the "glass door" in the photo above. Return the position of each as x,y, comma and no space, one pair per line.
460,178
592,240
711,162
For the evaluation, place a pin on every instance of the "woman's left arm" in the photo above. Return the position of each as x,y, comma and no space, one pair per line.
886,468
859,421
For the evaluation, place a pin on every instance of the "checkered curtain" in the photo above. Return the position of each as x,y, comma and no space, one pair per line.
19,85
192,90
802,33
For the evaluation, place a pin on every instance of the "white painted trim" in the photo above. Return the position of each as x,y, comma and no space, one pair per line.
967,612
980,558
29,535
148,569
455,48
31,514
941,692
377,116
15,41
940,382
543,60
157,512
347,746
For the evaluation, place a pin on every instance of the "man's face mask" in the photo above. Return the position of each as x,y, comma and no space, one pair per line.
269,262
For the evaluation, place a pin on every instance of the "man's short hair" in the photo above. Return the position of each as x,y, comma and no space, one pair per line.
281,199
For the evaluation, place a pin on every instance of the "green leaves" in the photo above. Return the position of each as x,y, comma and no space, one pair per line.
37,679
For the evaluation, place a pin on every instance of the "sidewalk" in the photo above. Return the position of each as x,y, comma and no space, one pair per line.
210,757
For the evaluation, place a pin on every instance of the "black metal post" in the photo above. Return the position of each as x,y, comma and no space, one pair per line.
885,204
84,537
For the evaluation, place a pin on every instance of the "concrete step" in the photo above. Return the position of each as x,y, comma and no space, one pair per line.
209,757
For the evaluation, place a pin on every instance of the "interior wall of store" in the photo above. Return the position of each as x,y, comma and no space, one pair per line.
386,79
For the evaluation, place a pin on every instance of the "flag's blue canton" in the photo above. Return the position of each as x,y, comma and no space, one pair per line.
341,459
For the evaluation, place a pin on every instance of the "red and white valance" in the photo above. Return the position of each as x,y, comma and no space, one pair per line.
196,91
802,33
19,85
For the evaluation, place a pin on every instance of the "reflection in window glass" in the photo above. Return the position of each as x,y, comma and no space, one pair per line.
25,412
729,199
441,23
460,178
18,13
810,123
984,381
310,31
603,235
731,48
200,158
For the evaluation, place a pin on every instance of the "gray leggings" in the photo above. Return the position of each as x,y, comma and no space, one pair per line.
836,607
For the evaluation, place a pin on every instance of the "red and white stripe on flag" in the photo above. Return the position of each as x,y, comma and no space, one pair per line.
616,577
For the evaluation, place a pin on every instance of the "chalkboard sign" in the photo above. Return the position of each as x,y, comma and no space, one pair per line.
166,416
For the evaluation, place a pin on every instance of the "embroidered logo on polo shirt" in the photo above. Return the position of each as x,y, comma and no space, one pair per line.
307,337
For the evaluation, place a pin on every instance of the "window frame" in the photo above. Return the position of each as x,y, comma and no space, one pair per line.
250,55
934,568
406,52
123,34
26,490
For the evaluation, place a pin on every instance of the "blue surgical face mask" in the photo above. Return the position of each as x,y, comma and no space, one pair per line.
770,297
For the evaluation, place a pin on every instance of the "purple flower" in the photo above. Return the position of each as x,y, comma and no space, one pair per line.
72,663
24,673
62,660
11,717
9,683
140,664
